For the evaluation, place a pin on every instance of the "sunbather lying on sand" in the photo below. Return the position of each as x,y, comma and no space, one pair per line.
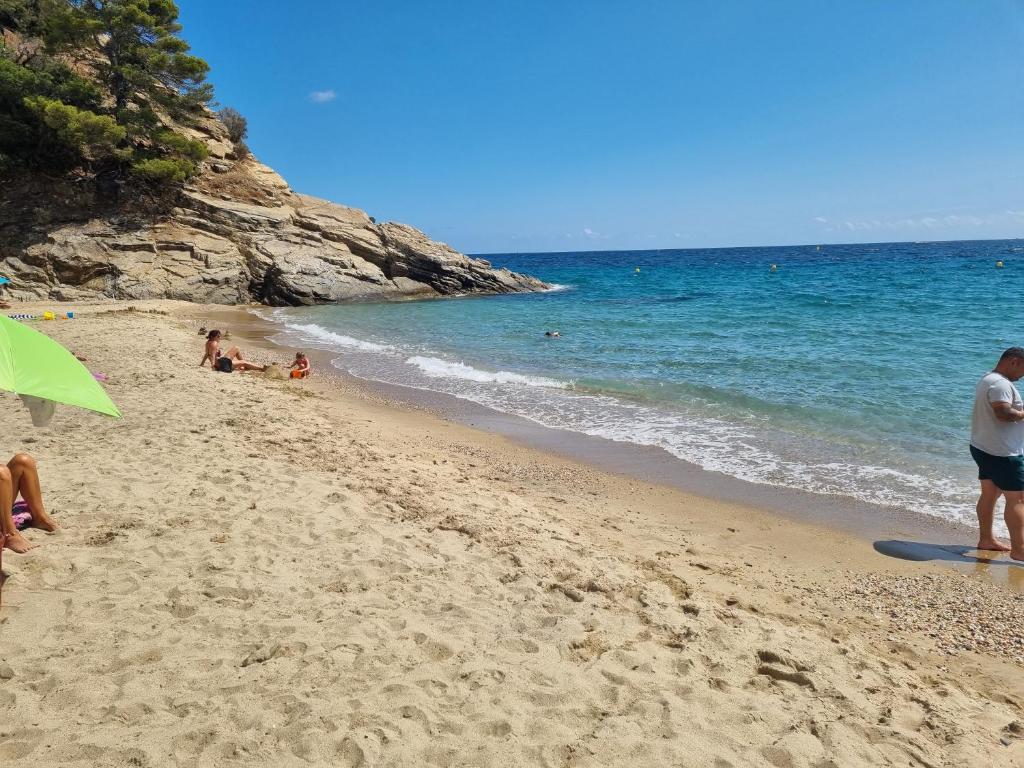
20,477
234,354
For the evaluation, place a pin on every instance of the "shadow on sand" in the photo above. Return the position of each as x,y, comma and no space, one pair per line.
1010,574
954,553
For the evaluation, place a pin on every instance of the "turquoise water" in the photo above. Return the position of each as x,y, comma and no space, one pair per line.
848,370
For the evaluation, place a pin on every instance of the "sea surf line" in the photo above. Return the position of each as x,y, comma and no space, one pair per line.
813,376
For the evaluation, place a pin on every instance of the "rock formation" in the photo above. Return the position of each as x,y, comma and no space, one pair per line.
235,234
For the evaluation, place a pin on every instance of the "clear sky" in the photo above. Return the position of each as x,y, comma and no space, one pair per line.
543,125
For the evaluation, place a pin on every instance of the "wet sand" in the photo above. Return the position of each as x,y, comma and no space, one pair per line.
898,532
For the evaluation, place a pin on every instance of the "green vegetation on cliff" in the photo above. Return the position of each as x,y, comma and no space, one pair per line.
99,86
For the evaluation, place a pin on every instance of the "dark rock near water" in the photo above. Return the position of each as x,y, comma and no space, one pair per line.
235,234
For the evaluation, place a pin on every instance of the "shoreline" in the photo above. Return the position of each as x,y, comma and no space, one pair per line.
254,571
896,532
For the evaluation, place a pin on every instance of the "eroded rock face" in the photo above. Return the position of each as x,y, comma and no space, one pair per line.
236,235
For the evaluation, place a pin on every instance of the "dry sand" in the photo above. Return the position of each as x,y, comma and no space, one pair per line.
257,572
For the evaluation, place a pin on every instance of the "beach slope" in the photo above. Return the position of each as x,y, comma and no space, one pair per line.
257,572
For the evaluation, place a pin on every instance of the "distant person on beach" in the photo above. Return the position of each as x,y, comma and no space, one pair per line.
300,366
997,446
213,353
21,477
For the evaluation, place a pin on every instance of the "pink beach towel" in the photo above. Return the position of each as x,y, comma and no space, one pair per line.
21,515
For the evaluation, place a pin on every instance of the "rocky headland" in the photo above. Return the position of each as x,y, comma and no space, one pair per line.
235,233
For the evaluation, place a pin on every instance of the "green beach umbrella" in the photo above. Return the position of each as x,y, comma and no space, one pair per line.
35,365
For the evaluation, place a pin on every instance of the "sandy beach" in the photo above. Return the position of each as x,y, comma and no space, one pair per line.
258,572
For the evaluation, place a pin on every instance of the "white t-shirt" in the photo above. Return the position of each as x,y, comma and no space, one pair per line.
989,434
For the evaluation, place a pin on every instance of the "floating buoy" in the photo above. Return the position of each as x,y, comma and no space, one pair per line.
773,268
637,269
999,265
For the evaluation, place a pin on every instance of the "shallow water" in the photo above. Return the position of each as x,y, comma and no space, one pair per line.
847,370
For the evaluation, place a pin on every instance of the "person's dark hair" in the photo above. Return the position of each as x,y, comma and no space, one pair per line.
1017,352
212,335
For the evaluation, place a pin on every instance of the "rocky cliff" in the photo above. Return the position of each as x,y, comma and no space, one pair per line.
236,233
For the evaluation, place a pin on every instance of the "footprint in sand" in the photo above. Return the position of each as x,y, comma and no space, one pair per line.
350,754
483,678
497,729
409,712
433,687
520,645
434,650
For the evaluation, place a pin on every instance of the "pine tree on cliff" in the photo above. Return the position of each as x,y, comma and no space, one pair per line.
145,78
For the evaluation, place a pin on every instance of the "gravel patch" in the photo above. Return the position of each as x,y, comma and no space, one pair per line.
959,613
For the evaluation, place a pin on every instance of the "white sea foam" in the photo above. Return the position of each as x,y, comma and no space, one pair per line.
435,367
313,333
713,444
734,450
741,449
557,288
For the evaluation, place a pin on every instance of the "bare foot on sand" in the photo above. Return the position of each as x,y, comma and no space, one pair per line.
993,545
18,543
45,523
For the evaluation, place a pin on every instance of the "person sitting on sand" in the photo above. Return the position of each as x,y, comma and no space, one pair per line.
997,447
212,352
301,366
20,477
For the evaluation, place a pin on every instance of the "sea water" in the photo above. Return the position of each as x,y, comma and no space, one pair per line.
845,369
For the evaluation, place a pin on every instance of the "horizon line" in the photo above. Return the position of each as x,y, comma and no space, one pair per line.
741,247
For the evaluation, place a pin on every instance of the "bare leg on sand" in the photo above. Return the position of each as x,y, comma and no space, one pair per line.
13,540
1014,516
986,514
25,478
239,364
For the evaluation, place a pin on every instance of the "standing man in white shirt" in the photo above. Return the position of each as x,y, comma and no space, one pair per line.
997,446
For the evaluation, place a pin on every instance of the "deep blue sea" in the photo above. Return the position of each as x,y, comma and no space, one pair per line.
849,369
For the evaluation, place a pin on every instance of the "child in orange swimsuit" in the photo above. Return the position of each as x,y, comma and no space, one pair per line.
300,367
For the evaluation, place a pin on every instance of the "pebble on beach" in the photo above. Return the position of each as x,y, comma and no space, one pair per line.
957,612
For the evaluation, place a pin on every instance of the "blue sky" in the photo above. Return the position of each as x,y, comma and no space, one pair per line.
542,125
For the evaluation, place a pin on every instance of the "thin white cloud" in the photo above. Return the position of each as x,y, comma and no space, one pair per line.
936,222
821,219
322,97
